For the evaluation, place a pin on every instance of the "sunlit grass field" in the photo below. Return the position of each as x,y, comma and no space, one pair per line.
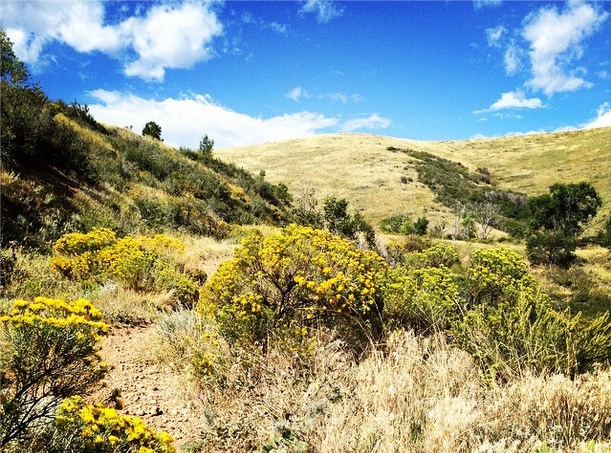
360,167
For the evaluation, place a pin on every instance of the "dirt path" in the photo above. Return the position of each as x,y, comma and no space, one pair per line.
154,393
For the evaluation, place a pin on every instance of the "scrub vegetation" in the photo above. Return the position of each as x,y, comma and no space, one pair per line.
299,318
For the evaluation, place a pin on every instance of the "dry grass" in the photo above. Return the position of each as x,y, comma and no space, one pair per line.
128,307
360,168
418,395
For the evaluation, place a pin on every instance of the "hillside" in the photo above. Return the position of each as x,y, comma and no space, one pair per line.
62,171
382,183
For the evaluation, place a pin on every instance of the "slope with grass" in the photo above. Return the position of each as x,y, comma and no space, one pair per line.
382,183
62,171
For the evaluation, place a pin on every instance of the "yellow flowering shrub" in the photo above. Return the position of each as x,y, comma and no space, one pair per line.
140,263
292,281
496,275
49,352
96,428
511,327
426,300
434,256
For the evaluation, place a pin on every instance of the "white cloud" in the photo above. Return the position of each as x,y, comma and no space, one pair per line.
325,10
484,3
278,28
555,42
296,94
512,59
373,121
604,74
494,35
603,117
33,24
516,100
168,36
513,100
184,121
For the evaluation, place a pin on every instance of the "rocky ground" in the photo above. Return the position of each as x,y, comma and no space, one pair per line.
156,394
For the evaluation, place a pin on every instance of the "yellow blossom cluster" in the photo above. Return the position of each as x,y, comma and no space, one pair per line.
50,352
300,275
104,430
140,263
79,314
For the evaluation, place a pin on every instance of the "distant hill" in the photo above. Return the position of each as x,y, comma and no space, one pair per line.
382,183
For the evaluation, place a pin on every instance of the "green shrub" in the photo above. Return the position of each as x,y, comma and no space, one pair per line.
553,248
284,285
139,263
49,352
527,335
495,275
426,300
436,255
512,327
399,224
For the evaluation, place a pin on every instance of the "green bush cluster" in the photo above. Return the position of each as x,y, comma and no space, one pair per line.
294,281
453,183
334,217
495,310
49,352
139,263
279,288
402,224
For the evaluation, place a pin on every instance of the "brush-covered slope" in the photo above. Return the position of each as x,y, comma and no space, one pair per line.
384,182
62,172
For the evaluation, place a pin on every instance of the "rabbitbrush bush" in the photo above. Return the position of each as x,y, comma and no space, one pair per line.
96,428
139,263
511,327
48,351
278,288
494,310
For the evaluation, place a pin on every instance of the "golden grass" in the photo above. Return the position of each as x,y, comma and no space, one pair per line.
360,168
128,307
419,395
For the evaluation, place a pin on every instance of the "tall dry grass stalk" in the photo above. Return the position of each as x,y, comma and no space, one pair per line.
417,395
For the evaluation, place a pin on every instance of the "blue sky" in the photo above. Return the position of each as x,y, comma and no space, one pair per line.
247,72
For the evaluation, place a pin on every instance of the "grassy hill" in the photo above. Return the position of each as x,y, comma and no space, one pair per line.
381,183
63,172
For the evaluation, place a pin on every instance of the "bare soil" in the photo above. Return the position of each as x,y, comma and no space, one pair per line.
158,395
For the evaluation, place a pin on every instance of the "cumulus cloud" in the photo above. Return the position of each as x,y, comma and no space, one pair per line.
373,121
515,100
33,24
184,121
169,37
603,117
173,35
325,10
546,50
555,41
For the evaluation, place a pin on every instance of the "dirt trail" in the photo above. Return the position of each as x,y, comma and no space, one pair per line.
156,394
